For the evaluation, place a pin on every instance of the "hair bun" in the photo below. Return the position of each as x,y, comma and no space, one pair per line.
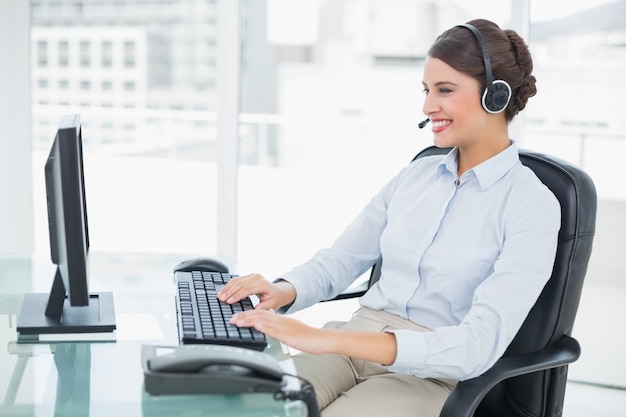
527,82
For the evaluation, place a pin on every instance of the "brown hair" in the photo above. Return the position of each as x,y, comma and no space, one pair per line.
509,55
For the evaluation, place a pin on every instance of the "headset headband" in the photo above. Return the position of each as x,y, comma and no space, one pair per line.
497,93
483,46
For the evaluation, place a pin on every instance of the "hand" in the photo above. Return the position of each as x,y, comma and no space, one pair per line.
271,295
288,330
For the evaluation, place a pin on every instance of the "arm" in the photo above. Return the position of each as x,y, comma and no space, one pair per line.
379,347
333,269
374,347
330,271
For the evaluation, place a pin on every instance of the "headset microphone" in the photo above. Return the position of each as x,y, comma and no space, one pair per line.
423,123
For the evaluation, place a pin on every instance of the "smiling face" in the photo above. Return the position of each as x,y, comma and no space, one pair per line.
452,103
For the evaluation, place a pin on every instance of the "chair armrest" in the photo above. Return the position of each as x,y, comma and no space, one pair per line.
467,395
351,292
356,291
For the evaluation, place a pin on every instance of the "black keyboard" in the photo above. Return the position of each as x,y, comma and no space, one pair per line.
202,318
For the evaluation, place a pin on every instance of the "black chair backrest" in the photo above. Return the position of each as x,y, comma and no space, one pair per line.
554,312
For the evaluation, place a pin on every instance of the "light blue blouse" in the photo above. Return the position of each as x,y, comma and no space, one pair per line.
467,261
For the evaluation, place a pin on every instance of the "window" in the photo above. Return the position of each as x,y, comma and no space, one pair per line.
129,54
63,54
128,69
129,86
85,54
107,54
340,108
42,53
331,98
574,63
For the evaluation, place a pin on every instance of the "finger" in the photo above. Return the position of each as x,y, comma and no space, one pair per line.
238,288
254,318
244,319
267,304
235,283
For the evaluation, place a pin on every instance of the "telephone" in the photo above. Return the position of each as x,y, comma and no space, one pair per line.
218,369
209,369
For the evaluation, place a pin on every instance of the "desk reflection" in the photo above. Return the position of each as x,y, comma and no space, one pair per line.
72,365
72,379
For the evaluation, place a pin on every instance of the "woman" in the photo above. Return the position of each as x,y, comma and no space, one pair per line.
468,241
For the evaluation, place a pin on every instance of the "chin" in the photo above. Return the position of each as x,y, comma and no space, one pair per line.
443,143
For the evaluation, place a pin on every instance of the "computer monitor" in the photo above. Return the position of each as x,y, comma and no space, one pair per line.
69,307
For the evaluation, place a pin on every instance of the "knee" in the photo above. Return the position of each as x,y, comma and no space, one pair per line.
330,375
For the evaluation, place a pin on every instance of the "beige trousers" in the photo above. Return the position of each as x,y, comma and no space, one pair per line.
351,387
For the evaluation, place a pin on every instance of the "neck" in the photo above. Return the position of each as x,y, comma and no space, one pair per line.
470,156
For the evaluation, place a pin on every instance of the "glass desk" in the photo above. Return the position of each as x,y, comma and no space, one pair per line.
104,376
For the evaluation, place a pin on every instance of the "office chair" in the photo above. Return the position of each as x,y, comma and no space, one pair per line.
529,379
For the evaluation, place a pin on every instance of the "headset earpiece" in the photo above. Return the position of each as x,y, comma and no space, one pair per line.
496,98
497,93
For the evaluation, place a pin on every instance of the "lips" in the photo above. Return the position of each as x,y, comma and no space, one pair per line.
439,125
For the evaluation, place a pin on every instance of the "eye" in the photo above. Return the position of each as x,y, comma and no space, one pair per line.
444,90
425,91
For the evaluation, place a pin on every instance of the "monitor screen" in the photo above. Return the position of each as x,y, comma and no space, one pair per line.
67,211
69,307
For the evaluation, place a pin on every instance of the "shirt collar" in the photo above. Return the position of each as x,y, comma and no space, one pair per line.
487,172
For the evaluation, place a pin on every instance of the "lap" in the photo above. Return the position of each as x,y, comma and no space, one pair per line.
390,394
345,386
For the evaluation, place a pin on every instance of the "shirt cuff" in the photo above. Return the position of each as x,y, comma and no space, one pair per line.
411,352
287,309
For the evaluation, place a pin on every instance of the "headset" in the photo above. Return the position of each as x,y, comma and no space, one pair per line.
497,93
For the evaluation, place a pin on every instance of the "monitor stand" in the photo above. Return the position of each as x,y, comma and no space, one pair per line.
52,313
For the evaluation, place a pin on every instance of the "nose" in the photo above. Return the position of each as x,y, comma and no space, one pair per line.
430,105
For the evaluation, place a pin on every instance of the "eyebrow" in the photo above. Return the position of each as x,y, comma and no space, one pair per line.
440,83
